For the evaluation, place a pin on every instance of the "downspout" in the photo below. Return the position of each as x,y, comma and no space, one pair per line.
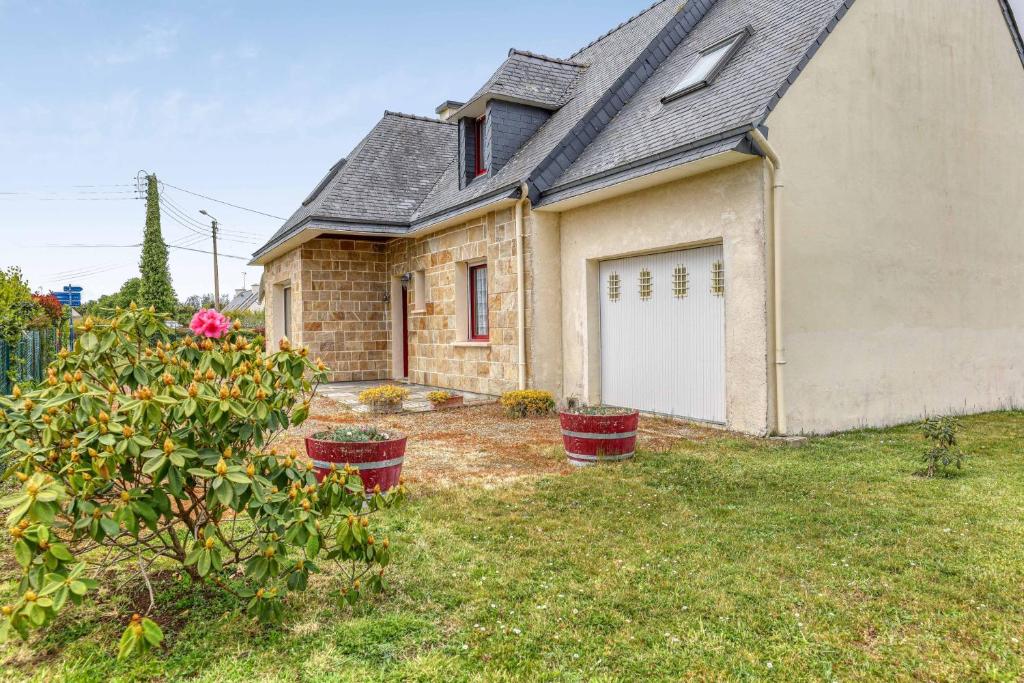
524,196
772,159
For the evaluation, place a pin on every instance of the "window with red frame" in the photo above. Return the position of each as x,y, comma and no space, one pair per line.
481,165
478,328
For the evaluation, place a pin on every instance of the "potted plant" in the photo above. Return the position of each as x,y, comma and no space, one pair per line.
384,399
445,399
377,455
594,434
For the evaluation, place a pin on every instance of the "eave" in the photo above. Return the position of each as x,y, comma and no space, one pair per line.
703,156
312,228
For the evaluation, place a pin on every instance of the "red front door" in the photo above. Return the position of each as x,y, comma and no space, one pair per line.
405,332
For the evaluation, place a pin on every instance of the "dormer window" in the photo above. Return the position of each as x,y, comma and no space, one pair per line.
481,159
491,133
708,65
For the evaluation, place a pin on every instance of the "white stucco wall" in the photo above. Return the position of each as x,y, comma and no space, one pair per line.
904,217
724,206
543,260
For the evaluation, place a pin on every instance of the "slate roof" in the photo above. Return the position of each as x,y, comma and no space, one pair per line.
245,300
529,78
608,57
739,95
607,123
385,177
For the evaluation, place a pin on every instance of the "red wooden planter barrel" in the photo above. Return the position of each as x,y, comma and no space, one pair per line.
378,462
591,439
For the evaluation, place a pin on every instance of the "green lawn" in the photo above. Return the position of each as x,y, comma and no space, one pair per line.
724,560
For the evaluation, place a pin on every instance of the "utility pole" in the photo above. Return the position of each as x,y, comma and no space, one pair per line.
216,265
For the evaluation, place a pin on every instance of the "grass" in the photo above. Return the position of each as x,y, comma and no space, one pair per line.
729,559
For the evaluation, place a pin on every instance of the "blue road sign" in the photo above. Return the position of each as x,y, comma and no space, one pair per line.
71,296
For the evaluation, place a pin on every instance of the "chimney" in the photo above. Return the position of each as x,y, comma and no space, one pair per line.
256,288
447,108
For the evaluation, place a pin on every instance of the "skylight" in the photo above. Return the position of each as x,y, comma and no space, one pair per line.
708,66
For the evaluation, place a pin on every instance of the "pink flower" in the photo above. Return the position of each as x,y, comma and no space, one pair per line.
209,323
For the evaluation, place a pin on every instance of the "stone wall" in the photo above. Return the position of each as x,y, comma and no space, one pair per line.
338,300
343,307
439,354
338,292
278,274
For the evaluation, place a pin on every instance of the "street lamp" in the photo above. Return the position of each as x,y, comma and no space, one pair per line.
216,267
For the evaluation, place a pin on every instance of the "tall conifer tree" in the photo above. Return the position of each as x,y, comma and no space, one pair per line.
155,289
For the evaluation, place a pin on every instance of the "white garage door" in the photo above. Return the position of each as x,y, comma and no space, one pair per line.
663,333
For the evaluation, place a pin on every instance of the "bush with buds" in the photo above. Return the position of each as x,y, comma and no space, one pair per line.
144,448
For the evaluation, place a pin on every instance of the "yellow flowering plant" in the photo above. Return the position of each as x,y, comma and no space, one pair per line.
387,395
528,403
440,396
146,448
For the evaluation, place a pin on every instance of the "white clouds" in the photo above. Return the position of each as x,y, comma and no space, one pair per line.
245,52
178,114
154,42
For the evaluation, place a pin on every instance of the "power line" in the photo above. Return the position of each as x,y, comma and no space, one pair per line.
72,271
184,220
53,189
63,192
219,201
187,241
86,272
81,246
136,246
207,235
201,251
170,205
11,196
174,209
78,278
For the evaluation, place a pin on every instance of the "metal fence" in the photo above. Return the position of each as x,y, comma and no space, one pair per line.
27,360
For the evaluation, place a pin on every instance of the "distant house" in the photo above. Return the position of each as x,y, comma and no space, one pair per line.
777,215
245,301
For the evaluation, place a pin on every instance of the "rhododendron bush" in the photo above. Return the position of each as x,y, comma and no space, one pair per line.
210,323
142,450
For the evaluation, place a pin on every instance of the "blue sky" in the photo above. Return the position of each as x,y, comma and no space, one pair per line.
249,102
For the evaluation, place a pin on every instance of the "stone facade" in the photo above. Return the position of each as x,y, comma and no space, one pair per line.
439,353
285,272
339,307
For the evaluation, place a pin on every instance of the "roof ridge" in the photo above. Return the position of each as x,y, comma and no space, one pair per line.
633,18
675,31
416,117
546,58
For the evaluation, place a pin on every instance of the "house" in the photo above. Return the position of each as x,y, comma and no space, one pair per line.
245,301
782,216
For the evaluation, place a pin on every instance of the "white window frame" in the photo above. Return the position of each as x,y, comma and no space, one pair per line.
727,49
